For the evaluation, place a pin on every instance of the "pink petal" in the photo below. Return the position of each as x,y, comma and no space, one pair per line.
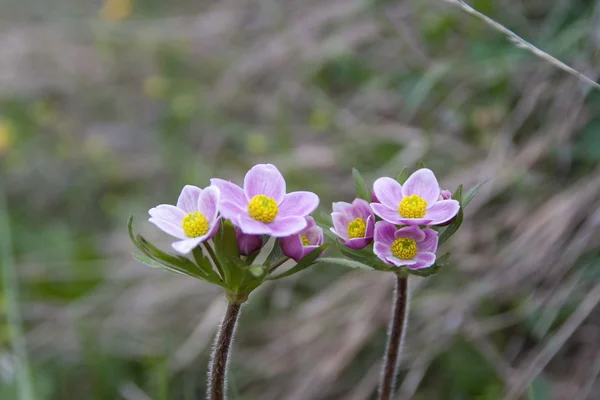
374,198
414,221
411,232
230,192
341,207
370,227
340,223
248,244
298,204
358,243
384,232
442,211
382,251
292,247
188,199
231,211
208,201
314,235
362,209
187,245
430,242
400,263
265,179
385,213
424,184
423,260
212,231
169,227
168,213
286,226
445,195
310,222
389,192
251,226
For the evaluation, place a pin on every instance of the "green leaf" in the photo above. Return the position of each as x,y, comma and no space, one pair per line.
306,262
539,389
181,263
147,260
345,263
130,230
203,262
365,257
457,195
228,254
422,164
402,176
361,188
472,193
257,270
452,228
275,255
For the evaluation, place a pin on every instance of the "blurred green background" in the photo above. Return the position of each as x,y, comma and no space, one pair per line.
109,107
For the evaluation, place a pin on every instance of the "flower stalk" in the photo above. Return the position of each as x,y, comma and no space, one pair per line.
396,332
217,374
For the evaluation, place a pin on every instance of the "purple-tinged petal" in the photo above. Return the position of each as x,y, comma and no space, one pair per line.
314,235
424,184
382,251
374,198
400,263
286,226
412,232
169,227
187,245
264,179
445,195
370,227
188,199
248,244
430,242
231,211
298,204
384,232
292,247
414,221
358,243
423,260
442,211
168,213
388,192
251,226
385,213
340,223
361,209
310,222
212,230
208,202
230,192
341,207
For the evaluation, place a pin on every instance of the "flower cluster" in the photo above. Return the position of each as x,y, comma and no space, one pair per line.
239,221
401,238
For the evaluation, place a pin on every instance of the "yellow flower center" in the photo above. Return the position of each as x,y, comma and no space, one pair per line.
404,248
304,240
357,228
263,208
195,224
413,206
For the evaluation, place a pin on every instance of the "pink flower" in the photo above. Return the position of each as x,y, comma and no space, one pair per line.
299,245
374,198
414,203
445,194
354,223
263,207
194,219
410,246
248,244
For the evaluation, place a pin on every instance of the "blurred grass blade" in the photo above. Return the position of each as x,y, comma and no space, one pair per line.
344,263
10,290
470,195
402,176
522,43
361,188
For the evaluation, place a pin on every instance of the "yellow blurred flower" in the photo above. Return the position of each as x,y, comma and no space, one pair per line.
6,131
183,105
116,10
155,87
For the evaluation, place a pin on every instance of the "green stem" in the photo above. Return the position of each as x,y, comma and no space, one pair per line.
396,333
212,255
278,264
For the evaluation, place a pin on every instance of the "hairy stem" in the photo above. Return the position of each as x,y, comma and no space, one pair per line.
396,333
217,374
